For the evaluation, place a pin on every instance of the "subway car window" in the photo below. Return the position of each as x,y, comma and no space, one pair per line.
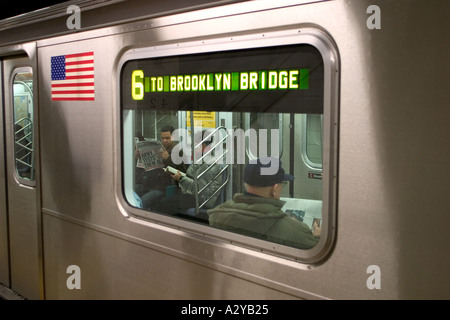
23,124
216,138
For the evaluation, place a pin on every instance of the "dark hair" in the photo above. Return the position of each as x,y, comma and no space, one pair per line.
168,128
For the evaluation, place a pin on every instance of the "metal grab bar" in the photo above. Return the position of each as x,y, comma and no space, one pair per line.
200,160
24,143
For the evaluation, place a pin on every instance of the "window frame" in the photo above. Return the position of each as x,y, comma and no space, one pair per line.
327,48
23,180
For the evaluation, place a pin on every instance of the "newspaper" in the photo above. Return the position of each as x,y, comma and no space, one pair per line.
305,210
149,154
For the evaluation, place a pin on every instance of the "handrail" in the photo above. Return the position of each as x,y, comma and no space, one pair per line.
219,189
200,160
25,143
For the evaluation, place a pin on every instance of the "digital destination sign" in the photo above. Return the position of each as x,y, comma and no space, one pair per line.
286,78
252,80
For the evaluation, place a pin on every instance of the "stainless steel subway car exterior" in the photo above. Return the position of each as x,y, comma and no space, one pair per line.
352,96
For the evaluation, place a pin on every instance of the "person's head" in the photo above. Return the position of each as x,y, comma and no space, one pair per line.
166,136
265,177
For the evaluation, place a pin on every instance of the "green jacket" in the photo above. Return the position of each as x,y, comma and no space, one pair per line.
261,218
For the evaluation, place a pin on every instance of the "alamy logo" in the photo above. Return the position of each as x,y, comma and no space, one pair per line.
229,147
74,280
374,280
374,21
74,21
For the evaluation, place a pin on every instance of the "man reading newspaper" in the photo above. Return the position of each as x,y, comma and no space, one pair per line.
150,154
152,182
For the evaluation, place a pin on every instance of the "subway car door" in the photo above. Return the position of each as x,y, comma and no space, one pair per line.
21,266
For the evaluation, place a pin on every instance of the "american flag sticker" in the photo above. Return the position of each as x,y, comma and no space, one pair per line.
73,77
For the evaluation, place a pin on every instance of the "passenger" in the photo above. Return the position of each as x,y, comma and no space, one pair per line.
257,212
168,144
151,186
184,199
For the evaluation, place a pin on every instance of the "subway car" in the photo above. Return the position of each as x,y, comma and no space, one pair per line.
351,96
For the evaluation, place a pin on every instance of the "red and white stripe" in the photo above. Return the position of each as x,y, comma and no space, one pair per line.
79,82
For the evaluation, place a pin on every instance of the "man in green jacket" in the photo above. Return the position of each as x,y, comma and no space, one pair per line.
257,212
